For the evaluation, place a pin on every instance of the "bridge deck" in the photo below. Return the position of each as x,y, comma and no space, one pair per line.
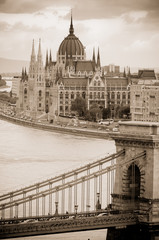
78,223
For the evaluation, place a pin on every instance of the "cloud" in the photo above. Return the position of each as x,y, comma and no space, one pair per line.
87,9
30,6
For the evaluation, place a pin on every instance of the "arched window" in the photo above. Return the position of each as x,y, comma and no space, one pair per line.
72,95
66,95
134,181
123,95
113,95
90,95
118,95
84,95
25,91
61,95
40,93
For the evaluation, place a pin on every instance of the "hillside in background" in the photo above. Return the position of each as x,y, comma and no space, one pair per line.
12,66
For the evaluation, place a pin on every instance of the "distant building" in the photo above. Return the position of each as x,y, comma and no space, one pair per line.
111,70
15,86
145,97
118,93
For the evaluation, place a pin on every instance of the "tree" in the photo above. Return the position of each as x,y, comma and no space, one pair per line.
125,110
95,112
106,113
79,105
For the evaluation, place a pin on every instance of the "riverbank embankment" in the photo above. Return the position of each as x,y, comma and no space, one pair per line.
96,133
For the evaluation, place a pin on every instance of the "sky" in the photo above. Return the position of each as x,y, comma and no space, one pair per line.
126,31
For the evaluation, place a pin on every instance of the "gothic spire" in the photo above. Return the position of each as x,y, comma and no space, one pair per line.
22,73
47,60
25,73
124,73
33,50
71,25
93,58
39,51
50,60
98,59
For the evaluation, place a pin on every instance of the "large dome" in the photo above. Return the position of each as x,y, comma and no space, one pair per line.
71,46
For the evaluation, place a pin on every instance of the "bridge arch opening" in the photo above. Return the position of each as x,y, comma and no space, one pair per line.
134,181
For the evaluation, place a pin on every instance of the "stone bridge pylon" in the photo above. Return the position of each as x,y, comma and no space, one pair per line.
137,174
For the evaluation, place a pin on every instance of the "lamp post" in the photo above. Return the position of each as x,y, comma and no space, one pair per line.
76,208
56,211
98,205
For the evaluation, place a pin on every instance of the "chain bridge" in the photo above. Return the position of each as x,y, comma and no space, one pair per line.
118,192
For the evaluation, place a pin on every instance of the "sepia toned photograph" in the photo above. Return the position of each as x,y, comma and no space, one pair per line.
79,119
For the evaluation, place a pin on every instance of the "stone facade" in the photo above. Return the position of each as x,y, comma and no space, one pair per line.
137,174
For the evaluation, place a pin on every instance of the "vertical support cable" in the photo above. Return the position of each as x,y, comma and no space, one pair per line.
56,201
37,201
95,191
75,190
82,194
70,199
88,190
11,208
112,178
63,196
100,185
16,210
43,204
30,206
24,205
50,199
108,187
3,211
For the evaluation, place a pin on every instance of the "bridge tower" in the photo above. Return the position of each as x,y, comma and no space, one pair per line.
137,176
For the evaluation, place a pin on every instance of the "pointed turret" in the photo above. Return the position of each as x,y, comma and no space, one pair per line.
71,25
47,59
50,59
98,59
22,73
129,73
25,73
124,74
33,52
39,50
32,62
93,58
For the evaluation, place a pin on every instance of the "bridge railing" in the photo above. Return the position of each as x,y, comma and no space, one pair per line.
74,195
61,176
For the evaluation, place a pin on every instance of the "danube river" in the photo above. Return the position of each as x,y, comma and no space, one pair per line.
29,155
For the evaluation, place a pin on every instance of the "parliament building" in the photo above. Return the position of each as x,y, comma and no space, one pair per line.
51,88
